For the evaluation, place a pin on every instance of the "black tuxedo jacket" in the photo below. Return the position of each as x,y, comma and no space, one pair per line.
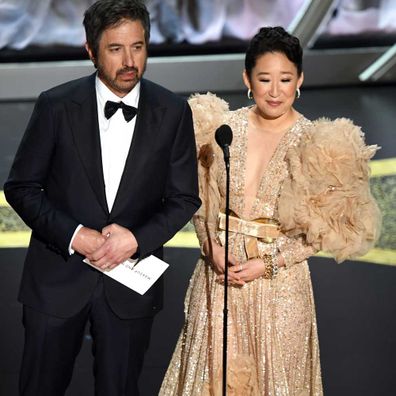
56,182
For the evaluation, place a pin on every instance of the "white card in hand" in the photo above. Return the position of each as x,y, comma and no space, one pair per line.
138,277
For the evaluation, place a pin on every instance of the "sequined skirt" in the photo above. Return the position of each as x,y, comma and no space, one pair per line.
272,338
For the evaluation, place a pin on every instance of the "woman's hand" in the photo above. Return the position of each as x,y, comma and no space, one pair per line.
216,255
249,270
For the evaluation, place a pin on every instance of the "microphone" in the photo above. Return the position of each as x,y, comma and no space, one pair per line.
223,138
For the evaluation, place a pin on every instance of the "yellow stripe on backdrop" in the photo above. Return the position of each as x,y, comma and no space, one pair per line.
14,239
383,167
20,239
187,239
3,201
375,256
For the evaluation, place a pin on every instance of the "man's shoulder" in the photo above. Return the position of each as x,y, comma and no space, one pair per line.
70,88
161,93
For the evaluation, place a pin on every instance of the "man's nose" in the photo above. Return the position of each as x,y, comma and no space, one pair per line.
128,58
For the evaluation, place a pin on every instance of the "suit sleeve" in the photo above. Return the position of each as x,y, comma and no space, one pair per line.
181,198
25,188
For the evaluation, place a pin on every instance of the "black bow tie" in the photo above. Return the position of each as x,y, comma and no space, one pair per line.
128,111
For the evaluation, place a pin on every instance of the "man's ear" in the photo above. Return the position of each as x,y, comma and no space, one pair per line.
90,54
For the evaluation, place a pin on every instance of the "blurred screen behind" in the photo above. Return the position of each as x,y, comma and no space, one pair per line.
46,23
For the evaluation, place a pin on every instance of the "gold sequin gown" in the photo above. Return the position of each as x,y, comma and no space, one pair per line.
272,336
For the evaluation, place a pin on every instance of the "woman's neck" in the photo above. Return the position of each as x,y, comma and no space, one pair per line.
273,125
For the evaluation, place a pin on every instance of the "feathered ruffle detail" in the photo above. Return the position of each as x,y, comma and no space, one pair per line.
208,113
327,196
241,378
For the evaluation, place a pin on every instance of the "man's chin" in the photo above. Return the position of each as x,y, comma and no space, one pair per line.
126,86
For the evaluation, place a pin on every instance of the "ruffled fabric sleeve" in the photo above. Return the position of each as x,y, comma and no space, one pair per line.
326,201
208,113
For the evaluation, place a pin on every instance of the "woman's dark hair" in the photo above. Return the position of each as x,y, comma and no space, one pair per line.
105,13
273,39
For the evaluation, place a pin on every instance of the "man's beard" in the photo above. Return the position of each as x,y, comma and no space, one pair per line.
121,86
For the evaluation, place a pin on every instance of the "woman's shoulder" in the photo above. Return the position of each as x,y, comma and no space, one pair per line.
337,143
209,112
338,126
340,134
327,195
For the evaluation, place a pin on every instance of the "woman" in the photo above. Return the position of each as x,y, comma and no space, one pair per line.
274,227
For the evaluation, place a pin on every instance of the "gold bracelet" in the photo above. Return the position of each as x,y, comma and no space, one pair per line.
275,268
268,266
271,268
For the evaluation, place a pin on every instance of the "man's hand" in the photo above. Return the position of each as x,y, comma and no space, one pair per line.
120,244
87,241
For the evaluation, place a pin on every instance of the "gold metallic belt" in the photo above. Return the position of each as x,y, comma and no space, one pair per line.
263,229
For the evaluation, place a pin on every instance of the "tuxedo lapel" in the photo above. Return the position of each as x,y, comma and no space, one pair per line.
148,122
84,121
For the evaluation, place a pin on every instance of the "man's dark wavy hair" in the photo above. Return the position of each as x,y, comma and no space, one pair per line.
110,13
273,39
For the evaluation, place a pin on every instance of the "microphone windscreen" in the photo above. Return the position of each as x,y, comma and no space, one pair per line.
223,135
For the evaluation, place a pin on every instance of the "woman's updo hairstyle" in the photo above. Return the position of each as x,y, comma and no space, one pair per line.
273,39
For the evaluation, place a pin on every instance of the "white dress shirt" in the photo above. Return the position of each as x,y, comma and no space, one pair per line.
115,137
115,140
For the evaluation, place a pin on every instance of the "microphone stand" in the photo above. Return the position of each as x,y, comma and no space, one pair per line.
223,137
225,310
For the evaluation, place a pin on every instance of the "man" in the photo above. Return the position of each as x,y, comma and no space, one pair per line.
93,180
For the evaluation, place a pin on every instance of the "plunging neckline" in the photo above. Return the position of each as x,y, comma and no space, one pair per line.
261,185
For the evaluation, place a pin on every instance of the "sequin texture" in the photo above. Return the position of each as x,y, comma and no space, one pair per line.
272,336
